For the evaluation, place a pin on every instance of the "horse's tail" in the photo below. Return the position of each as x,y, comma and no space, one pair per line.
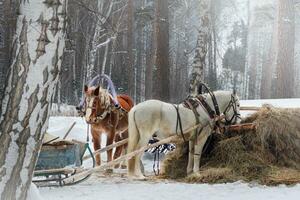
133,140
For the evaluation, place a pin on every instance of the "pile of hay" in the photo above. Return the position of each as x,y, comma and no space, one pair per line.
270,155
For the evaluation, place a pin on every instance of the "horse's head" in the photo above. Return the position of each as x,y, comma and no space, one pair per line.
232,109
96,104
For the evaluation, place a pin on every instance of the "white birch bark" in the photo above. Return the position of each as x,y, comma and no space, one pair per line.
33,77
201,49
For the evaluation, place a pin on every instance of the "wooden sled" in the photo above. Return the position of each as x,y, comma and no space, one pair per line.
60,159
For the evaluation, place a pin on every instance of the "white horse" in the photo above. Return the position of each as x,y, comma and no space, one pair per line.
158,117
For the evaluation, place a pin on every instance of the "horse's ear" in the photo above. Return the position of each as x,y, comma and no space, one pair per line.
96,91
86,88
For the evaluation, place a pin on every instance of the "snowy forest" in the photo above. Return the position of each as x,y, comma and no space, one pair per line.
149,48
50,50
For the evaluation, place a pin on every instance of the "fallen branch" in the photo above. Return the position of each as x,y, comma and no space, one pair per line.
127,156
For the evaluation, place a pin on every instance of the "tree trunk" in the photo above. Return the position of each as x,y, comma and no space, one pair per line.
130,57
162,82
285,57
253,71
33,77
201,48
150,53
7,29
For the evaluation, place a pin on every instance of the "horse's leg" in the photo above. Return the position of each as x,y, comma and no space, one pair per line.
133,140
124,151
138,138
134,164
109,141
191,156
138,164
200,142
118,149
97,144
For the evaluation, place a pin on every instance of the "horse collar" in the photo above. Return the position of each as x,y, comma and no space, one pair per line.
209,110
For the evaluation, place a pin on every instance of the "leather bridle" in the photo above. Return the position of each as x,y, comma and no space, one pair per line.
99,116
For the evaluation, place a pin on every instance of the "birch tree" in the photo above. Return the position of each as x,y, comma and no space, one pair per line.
199,62
33,77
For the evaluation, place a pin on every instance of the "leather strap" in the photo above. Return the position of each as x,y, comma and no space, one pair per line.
179,123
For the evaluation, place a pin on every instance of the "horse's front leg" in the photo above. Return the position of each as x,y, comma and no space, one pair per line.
109,141
97,144
191,156
200,142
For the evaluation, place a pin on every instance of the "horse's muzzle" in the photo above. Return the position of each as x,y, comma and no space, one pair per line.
91,121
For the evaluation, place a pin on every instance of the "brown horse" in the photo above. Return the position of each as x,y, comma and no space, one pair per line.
105,118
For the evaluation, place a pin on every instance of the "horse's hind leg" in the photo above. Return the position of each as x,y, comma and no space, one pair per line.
133,139
132,146
119,150
124,151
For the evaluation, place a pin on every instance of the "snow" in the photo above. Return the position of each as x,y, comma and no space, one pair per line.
283,103
174,191
34,193
117,186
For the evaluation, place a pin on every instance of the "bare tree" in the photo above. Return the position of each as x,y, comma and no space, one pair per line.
33,77
162,82
285,56
130,41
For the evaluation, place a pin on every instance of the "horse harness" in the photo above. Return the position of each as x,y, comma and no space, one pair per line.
108,108
179,123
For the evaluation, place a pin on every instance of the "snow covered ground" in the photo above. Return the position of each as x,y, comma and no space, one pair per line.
117,186
173,191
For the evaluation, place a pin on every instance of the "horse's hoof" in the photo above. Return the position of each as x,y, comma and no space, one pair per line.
138,177
117,166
